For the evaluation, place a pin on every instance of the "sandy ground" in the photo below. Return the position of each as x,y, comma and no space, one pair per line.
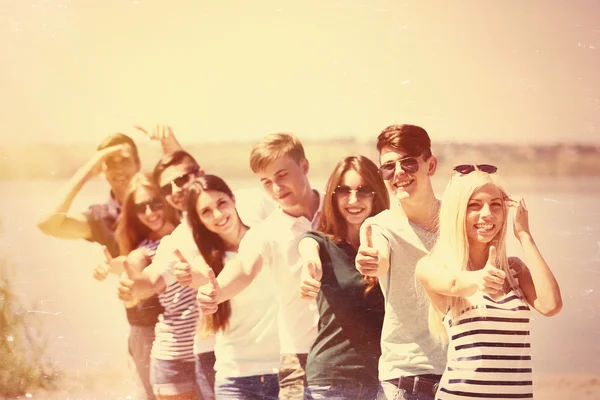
115,385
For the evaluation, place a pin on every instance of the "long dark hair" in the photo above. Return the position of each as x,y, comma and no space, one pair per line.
210,245
331,222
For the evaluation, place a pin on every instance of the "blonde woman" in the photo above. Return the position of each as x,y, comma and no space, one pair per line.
480,298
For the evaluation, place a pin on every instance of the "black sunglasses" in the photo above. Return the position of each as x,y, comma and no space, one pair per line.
361,192
409,165
465,169
155,204
181,180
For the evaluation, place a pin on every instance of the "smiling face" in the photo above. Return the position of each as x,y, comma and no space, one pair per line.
119,168
217,212
149,208
485,214
285,181
405,185
356,205
176,179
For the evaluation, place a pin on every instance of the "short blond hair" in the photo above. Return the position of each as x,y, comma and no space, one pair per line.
273,147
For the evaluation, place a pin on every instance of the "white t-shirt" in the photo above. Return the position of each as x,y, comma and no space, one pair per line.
276,240
250,344
252,205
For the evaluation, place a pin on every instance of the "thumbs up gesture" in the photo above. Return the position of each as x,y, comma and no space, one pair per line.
133,265
310,279
367,259
490,278
207,294
103,269
182,270
125,286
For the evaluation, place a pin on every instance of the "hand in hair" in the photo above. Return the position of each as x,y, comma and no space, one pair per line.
207,295
182,270
367,259
521,218
310,279
490,279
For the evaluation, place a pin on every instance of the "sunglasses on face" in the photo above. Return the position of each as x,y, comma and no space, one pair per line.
361,192
465,169
155,204
388,170
180,181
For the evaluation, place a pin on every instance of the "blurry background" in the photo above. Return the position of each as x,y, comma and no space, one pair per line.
513,82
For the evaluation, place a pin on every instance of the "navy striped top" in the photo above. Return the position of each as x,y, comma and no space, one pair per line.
176,326
489,351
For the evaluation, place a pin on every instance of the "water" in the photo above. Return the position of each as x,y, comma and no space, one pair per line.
85,323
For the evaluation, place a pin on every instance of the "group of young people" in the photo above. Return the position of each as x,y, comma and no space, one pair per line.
372,289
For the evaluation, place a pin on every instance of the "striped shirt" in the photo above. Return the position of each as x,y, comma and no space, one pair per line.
176,326
489,352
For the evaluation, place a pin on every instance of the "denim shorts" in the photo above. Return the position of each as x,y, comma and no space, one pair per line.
172,377
257,387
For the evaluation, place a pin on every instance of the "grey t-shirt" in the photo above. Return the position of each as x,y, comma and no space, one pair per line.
406,346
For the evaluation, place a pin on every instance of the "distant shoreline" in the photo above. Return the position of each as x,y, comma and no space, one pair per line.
50,161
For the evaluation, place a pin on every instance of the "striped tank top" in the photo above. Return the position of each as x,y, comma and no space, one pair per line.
176,326
489,351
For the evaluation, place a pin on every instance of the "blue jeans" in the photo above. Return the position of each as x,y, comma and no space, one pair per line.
390,391
341,392
140,345
257,387
205,376
172,377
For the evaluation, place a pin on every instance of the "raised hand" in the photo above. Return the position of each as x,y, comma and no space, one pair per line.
157,132
207,295
367,259
310,279
521,217
490,279
103,269
101,155
182,270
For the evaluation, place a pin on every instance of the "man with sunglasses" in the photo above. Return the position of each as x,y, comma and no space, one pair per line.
392,243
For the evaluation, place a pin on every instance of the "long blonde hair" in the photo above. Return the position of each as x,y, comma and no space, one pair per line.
452,248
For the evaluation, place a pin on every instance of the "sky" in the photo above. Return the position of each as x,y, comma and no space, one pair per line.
510,71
